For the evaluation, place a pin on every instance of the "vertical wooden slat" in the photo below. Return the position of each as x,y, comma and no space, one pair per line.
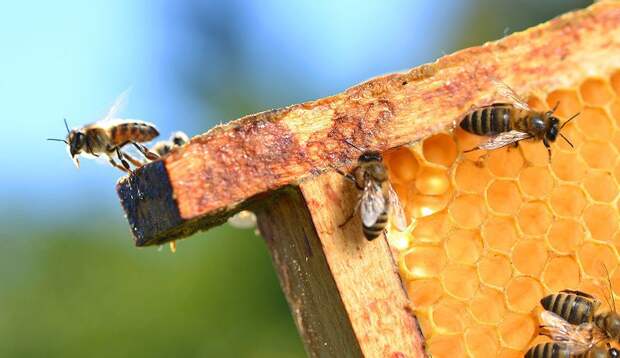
344,292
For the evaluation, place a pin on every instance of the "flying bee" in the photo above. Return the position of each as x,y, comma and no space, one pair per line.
163,147
508,123
378,198
569,340
108,136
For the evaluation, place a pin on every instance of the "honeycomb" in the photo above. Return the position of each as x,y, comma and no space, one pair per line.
492,232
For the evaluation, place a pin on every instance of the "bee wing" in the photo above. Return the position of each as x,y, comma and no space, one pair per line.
504,139
505,90
373,203
118,104
397,210
580,338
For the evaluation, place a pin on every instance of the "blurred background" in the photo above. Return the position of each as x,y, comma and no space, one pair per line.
71,282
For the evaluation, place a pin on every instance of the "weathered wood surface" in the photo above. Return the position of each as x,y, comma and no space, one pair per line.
210,177
345,293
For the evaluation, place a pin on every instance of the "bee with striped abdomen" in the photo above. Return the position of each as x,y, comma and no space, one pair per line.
578,307
508,123
378,198
569,340
108,136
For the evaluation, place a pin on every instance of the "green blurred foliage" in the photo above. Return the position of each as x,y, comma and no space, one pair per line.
90,293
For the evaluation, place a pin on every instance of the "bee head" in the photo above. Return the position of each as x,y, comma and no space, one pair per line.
76,141
554,128
370,156
179,138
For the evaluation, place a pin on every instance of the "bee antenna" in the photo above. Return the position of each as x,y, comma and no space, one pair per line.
58,140
567,141
557,104
354,146
66,125
570,119
612,304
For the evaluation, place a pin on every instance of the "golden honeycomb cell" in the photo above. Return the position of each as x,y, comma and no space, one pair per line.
521,294
568,168
460,281
423,261
505,162
432,228
529,256
432,181
512,225
471,177
447,346
420,205
516,330
424,292
481,342
598,155
601,221
565,236
464,247
601,186
536,182
402,164
440,149
503,196
494,269
499,233
534,218
468,211
596,92
449,316
534,153
568,200
487,306
596,258
568,102
561,273
595,124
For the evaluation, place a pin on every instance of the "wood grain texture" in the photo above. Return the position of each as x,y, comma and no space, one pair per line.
224,168
345,292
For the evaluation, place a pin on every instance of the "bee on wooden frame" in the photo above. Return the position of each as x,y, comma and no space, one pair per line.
108,136
378,199
509,123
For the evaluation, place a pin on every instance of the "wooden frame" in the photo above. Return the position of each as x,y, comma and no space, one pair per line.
345,292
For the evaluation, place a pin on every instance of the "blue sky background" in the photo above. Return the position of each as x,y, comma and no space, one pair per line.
72,58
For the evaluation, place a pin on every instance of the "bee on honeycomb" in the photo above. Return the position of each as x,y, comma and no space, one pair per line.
495,231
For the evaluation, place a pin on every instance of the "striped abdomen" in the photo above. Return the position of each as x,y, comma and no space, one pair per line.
132,132
562,350
573,308
372,232
489,120
549,350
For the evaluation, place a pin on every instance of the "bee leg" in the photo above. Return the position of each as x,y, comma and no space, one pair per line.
357,206
132,160
145,151
347,176
546,143
116,165
119,154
